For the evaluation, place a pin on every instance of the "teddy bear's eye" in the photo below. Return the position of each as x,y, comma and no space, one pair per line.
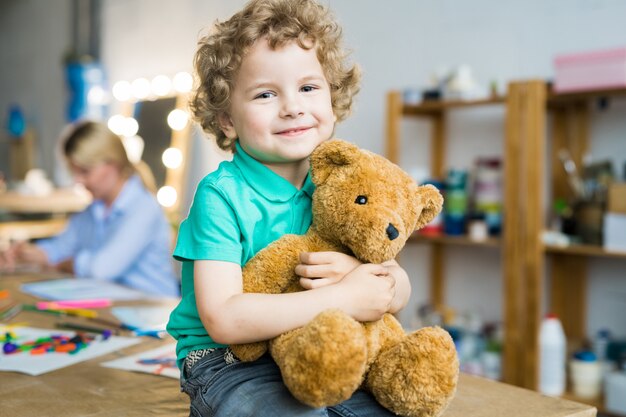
361,200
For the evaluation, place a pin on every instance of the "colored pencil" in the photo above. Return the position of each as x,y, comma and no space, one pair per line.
77,313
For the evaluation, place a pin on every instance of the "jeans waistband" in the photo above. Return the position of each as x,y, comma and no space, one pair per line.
195,355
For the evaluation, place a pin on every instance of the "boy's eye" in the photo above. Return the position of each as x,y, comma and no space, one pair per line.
265,94
308,88
361,200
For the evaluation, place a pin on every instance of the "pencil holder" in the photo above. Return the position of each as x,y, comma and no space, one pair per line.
589,216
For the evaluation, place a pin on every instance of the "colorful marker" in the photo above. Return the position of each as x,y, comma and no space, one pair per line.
73,304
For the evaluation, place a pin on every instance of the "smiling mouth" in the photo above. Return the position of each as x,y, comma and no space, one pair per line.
294,131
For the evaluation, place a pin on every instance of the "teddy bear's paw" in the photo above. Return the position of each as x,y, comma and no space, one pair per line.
249,352
418,376
323,363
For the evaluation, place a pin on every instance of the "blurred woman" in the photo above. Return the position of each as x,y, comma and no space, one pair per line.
123,235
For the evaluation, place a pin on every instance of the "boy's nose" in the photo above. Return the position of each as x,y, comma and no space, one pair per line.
291,107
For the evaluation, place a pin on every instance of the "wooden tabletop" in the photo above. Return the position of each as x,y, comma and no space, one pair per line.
88,389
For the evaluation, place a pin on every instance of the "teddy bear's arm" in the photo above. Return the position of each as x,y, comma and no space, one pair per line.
271,271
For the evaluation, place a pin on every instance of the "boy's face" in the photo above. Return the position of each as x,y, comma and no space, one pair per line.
280,105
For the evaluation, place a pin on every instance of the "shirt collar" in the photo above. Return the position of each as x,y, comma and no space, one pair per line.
123,200
265,181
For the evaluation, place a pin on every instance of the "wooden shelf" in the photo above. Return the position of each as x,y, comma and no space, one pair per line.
454,240
567,98
584,250
437,106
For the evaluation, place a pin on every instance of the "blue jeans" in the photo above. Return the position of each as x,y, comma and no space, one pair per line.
256,389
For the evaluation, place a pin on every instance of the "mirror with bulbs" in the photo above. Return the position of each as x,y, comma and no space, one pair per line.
154,123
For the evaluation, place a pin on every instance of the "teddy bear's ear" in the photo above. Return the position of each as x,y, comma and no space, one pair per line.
432,202
330,155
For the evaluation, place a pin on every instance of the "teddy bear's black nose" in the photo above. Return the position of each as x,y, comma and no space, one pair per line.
392,232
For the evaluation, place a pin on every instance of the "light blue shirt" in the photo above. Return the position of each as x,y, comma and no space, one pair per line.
128,244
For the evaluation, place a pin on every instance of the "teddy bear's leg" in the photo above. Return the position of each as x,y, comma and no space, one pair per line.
322,363
249,352
418,375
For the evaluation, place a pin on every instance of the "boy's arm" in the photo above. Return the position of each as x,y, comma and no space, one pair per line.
233,317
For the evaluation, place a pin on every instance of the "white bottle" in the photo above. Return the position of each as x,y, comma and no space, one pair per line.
552,357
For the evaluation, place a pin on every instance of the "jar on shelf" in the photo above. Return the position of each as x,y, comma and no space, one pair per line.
455,202
488,192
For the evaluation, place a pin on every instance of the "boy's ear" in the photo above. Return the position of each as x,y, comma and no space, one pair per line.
227,126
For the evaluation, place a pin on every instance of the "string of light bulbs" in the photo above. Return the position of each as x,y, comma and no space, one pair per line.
127,126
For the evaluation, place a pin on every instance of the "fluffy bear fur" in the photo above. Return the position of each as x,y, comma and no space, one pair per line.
324,362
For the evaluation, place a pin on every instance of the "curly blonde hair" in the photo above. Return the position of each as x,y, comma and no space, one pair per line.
220,53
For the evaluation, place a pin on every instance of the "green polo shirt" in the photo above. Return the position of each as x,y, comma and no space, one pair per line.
237,210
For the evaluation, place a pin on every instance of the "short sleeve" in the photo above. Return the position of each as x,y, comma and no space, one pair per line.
211,230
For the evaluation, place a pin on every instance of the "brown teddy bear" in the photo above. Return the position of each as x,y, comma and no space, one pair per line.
366,206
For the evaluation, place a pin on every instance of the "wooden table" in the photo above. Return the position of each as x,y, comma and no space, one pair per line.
88,389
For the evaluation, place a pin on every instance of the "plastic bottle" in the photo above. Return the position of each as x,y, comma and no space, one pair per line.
600,343
552,356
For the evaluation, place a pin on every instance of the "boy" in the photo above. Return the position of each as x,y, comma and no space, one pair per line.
273,83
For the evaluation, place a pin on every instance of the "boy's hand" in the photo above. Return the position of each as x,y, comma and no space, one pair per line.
369,292
318,269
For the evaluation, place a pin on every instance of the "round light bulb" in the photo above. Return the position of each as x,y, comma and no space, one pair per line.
131,127
177,119
166,196
134,146
161,85
96,95
121,90
140,88
183,81
172,158
117,123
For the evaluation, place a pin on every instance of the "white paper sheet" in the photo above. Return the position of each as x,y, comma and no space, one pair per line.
165,355
81,289
26,363
143,317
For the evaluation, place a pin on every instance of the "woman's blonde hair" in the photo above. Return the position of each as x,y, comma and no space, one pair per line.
90,143
220,53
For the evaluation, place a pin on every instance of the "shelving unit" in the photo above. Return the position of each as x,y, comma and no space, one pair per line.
526,145
584,250
435,112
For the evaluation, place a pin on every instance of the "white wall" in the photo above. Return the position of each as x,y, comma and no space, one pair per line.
34,36
399,44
